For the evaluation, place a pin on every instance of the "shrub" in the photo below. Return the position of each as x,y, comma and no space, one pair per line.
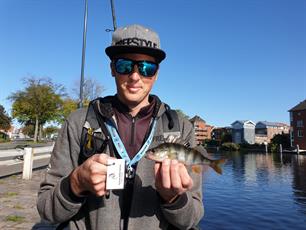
210,143
229,146
273,148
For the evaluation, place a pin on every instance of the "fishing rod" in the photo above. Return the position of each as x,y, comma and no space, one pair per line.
113,17
84,46
83,55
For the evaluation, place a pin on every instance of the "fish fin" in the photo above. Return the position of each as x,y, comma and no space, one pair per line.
215,165
196,168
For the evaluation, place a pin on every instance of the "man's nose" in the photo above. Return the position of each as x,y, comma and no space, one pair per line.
135,75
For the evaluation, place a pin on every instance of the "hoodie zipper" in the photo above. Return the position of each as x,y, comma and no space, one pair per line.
133,131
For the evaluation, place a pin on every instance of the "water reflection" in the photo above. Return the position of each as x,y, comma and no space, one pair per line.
269,191
299,182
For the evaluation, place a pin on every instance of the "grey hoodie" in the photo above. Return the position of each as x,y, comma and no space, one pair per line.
57,204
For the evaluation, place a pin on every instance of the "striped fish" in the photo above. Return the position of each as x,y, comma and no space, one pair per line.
188,156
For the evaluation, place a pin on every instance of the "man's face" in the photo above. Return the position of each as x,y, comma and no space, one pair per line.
133,89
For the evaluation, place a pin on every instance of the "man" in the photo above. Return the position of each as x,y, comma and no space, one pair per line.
156,195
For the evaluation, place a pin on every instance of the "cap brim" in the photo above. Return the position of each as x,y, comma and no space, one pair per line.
113,51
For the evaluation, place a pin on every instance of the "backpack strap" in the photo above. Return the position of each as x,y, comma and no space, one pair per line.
171,125
92,140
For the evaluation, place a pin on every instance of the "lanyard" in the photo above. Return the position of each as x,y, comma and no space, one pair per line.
121,149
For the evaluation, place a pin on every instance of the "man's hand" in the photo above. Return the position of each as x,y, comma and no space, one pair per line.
90,176
171,179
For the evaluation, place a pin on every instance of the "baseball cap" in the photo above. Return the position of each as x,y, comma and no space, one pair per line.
135,39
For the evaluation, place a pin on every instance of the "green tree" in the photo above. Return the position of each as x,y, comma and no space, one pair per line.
279,139
48,131
5,120
69,105
179,111
40,102
29,130
226,137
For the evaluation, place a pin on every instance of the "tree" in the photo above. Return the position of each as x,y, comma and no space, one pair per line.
40,102
69,105
283,139
92,89
5,120
29,130
226,137
48,131
182,113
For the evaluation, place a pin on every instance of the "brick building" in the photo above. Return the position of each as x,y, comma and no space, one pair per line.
265,131
298,125
202,130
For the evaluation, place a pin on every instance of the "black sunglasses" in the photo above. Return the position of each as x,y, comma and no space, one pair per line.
126,66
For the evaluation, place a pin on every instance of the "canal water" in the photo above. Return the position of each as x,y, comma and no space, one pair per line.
256,191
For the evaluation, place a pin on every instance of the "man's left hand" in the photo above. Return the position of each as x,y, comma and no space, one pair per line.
171,179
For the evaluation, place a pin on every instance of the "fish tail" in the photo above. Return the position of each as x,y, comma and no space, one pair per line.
216,165
196,168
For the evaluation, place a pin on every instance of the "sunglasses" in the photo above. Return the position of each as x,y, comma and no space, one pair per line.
126,66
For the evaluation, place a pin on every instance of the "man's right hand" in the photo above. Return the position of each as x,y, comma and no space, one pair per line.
90,176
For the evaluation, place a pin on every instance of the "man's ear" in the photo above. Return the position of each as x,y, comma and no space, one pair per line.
112,69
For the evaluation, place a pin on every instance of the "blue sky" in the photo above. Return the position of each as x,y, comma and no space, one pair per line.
226,60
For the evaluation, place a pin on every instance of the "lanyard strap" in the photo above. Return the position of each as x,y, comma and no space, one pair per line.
120,147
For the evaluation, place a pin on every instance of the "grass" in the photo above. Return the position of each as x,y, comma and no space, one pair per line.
10,194
18,206
15,218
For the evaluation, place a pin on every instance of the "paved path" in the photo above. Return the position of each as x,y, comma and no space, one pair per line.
18,203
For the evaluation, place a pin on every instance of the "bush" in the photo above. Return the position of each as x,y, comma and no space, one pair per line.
2,140
246,146
273,148
229,146
281,139
210,143
4,137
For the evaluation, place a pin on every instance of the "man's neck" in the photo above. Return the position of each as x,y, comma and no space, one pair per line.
134,109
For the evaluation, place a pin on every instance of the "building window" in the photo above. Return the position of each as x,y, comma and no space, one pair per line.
262,131
299,123
291,116
300,133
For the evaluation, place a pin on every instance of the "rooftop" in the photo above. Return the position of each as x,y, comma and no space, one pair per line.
274,124
299,107
197,118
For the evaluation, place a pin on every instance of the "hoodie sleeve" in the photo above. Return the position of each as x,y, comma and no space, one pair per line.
187,210
56,203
